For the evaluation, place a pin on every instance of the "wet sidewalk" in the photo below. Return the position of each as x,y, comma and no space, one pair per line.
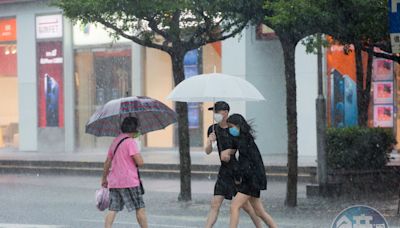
156,156
150,156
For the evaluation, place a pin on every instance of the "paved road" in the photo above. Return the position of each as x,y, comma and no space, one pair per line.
31,201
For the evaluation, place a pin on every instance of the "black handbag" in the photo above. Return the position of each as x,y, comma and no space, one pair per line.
141,188
140,181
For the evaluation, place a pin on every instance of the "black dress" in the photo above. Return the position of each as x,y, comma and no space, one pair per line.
251,175
225,185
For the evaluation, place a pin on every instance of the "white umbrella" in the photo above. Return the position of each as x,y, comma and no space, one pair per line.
214,87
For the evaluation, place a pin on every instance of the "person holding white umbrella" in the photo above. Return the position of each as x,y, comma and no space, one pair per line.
210,88
225,185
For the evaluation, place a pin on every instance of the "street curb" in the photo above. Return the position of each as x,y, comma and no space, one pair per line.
278,173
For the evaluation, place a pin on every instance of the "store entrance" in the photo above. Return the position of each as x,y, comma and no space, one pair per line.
101,74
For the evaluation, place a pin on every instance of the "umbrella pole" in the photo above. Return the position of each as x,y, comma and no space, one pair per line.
215,132
213,115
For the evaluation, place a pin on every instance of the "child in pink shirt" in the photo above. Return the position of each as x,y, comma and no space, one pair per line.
121,174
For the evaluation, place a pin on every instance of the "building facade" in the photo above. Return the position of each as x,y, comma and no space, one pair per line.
55,74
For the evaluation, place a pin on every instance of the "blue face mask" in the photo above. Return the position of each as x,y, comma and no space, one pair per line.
234,131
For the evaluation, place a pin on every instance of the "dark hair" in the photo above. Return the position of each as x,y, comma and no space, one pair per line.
220,106
240,121
130,125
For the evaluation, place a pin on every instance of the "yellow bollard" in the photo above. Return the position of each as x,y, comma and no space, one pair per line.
1,138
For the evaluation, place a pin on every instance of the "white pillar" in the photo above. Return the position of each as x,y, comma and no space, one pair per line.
138,58
69,90
138,53
26,58
234,63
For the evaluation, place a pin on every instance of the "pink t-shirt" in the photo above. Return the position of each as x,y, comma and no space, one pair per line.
123,171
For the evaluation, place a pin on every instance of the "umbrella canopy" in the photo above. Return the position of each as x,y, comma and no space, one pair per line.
152,115
213,87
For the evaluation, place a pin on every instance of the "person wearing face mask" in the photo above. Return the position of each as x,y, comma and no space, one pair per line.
251,178
225,185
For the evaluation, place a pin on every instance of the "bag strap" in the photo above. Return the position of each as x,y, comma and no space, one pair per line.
115,150
138,173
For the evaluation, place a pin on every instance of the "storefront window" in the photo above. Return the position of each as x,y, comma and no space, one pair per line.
103,71
9,113
101,74
158,83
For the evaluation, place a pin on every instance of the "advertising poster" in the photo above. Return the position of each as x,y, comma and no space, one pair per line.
191,68
383,92
50,84
342,90
383,116
382,70
190,63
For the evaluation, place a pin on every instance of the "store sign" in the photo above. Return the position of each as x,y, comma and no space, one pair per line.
49,26
394,25
8,31
93,34
51,84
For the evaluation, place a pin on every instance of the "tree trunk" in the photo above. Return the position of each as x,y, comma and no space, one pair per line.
367,91
362,106
289,48
183,131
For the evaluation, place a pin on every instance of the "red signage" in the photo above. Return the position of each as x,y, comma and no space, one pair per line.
8,29
51,84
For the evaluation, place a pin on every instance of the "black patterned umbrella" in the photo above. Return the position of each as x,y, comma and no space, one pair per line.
152,115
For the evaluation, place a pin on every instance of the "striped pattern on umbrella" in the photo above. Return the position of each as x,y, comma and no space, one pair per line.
152,115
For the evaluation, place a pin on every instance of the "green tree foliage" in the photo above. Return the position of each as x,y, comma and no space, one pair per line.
175,27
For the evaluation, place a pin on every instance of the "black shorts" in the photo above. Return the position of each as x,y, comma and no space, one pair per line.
225,186
248,190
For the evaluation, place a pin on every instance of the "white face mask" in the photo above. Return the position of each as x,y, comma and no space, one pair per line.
218,117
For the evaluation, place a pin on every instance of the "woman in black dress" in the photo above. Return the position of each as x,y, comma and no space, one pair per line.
251,178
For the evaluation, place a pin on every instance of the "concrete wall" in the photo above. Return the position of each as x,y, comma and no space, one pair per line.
158,84
307,91
234,63
265,70
211,63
